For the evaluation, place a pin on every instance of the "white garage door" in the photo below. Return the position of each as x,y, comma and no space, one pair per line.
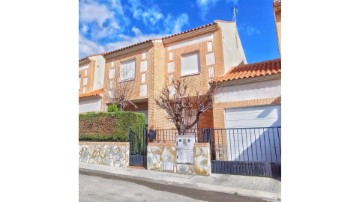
250,117
90,105
253,133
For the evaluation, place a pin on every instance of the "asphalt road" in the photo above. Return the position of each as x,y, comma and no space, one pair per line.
101,187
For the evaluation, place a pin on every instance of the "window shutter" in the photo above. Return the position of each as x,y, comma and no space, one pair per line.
190,64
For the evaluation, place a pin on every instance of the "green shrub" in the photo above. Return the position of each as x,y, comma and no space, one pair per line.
112,108
109,126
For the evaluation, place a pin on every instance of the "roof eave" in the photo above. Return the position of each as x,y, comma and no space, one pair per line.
84,61
191,33
126,50
248,80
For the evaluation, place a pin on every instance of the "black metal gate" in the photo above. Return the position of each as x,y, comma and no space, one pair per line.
138,147
245,151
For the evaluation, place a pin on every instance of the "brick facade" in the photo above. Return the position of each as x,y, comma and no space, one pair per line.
89,75
207,40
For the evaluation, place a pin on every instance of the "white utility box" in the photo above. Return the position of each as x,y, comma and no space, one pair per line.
185,148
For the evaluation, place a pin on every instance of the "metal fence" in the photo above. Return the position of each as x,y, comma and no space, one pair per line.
260,144
241,151
169,135
247,144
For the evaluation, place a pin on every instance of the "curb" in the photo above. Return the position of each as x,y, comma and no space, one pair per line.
197,186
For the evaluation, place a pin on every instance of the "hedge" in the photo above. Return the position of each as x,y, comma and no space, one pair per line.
109,126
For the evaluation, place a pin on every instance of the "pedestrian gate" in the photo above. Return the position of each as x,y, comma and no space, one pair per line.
138,147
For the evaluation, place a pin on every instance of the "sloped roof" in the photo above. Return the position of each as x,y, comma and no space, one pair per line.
165,37
92,93
244,71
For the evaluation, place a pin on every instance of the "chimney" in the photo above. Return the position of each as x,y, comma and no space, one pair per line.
277,15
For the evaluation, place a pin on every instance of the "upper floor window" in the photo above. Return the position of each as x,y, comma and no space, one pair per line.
190,64
127,70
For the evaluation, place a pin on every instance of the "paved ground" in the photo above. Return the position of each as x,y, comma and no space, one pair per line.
105,187
264,188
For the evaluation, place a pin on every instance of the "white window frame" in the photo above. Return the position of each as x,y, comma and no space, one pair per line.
198,63
128,76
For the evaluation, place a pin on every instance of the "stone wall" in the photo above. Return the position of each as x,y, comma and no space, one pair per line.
105,153
162,157
202,159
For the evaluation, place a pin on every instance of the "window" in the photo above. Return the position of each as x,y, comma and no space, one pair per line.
112,73
190,64
79,82
85,81
127,70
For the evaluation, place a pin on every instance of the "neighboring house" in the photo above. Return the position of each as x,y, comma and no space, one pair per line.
250,96
91,82
249,109
277,14
197,55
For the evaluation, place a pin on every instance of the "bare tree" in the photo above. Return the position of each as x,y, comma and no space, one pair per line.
184,109
119,92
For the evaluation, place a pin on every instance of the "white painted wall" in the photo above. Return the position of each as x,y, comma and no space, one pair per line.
99,73
233,51
250,91
143,90
207,37
84,67
90,105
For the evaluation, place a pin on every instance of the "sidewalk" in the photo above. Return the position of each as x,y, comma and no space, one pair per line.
259,187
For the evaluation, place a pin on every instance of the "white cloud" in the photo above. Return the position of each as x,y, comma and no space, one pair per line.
204,6
94,12
84,28
103,15
87,47
148,15
252,30
116,4
136,30
174,25
103,25
249,30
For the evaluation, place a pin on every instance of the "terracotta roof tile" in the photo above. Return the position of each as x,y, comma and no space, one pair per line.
92,93
196,28
142,42
242,71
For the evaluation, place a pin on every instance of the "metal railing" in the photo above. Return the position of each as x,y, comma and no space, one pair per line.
261,144
169,135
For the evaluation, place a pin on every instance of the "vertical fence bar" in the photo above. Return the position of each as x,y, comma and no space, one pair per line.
224,142
229,141
276,158
256,146
238,140
263,134
269,144
242,143
251,145
261,153
277,129
218,146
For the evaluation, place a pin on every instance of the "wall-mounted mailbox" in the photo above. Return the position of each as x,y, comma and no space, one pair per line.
185,148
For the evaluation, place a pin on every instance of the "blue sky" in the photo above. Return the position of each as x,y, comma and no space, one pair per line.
106,25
